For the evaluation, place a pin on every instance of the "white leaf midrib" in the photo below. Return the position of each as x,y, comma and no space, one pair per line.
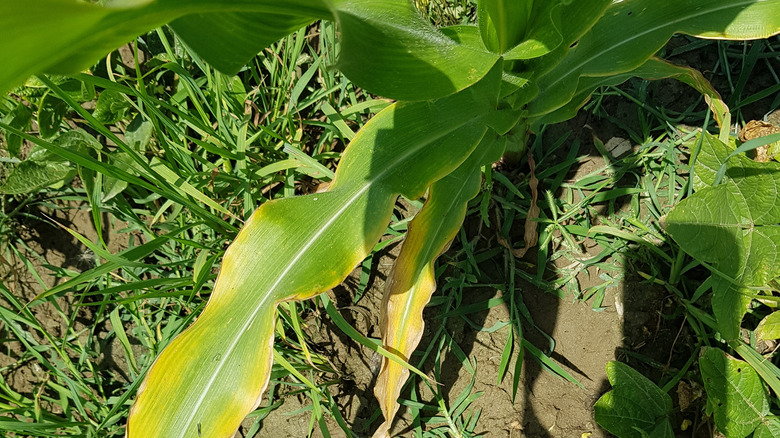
311,241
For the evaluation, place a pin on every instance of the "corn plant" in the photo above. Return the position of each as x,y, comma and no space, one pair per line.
460,90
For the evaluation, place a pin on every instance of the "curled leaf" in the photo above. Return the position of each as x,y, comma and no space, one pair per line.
413,282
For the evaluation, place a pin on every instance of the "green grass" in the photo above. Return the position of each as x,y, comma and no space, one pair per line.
177,155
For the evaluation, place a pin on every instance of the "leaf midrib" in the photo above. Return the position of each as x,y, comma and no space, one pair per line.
578,68
311,241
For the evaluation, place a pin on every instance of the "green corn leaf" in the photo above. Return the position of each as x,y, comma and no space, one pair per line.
386,46
543,34
295,248
653,69
503,23
570,20
631,31
635,407
575,20
733,226
228,40
413,280
390,50
735,393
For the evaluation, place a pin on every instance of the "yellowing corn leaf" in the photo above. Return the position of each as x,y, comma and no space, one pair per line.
412,282
296,248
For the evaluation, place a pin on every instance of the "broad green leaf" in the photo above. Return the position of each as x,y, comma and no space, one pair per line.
19,118
78,140
634,405
386,46
711,156
50,113
114,186
769,428
43,168
138,134
769,372
652,69
295,248
413,280
111,107
735,393
769,327
631,31
734,225
76,89
729,305
31,175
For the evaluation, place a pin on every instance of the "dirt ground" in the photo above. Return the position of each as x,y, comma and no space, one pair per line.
49,247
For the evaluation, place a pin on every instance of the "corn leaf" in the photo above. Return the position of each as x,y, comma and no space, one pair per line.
228,40
390,50
386,46
296,248
382,41
572,20
502,23
413,282
542,50
543,34
631,31
653,69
